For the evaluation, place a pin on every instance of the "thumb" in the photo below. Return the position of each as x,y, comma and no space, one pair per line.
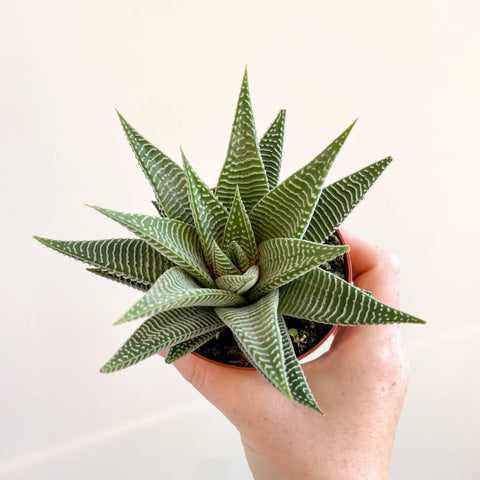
378,349
221,385
376,271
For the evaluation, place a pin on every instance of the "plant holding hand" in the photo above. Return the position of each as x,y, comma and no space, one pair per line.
242,259
362,381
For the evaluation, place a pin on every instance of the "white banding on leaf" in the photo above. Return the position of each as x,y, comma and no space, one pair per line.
175,240
176,289
340,198
296,378
144,287
271,147
255,326
243,165
239,283
322,297
129,258
184,348
286,210
163,331
283,260
239,229
210,218
165,176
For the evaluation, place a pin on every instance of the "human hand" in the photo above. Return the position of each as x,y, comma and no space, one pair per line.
360,383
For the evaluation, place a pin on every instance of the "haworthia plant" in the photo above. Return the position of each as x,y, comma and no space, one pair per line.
241,258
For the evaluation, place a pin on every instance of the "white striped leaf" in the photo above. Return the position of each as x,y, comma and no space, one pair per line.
165,176
184,348
256,366
271,147
159,208
117,278
239,229
296,378
129,258
239,283
209,214
238,256
287,209
340,198
320,296
255,327
243,165
163,331
177,289
175,240
282,260
222,265
252,362
210,218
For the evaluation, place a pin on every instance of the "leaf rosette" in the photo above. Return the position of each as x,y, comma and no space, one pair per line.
242,257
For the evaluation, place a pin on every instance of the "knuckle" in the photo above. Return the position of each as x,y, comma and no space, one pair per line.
390,262
394,263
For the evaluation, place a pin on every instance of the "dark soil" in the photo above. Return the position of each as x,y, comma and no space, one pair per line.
304,334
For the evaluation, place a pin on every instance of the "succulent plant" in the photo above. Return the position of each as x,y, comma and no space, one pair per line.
241,257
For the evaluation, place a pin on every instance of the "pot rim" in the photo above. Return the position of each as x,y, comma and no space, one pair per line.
349,275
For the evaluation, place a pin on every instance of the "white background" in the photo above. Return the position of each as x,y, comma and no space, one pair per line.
408,69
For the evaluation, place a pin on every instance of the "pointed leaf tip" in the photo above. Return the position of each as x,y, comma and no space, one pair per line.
349,129
243,164
120,116
273,215
339,199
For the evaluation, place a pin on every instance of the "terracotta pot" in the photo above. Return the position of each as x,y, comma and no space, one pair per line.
349,277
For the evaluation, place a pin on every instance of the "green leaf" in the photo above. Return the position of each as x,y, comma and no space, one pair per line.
129,258
159,208
175,240
282,260
239,229
296,378
184,348
222,265
340,198
239,283
243,165
209,214
176,289
124,281
162,331
238,256
210,218
271,147
255,326
165,176
287,209
320,296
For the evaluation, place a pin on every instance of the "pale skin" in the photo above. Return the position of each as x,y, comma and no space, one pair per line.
360,384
